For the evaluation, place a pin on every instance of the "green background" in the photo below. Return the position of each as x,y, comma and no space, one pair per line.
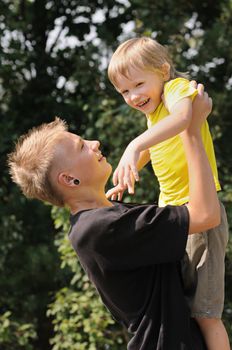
53,61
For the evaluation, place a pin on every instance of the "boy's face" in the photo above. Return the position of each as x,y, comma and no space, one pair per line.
142,89
82,159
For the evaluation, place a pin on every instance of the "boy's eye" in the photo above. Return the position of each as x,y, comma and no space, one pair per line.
124,92
139,84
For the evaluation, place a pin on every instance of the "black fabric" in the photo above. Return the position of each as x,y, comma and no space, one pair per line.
132,255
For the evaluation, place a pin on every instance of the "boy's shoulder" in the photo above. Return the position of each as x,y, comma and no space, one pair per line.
106,215
177,89
176,83
90,228
98,219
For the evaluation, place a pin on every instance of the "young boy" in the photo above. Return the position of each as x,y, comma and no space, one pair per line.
142,72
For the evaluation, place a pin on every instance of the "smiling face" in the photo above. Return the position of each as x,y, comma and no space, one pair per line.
142,89
81,159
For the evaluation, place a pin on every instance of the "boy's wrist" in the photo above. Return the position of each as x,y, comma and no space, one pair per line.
135,146
190,135
193,133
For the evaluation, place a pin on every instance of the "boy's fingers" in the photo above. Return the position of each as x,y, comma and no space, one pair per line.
206,96
113,192
131,188
110,193
135,173
209,100
120,177
200,89
210,103
193,83
120,194
121,182
115,177
127,180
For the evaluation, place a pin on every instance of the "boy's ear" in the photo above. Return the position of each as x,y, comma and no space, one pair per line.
65,179
166,71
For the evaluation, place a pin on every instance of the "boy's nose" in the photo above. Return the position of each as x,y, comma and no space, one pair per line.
95,144
134,97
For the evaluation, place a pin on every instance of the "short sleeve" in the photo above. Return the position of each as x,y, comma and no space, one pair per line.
177,89
139,236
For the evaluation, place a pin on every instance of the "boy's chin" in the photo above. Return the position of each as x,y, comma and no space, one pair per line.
152,110
109,170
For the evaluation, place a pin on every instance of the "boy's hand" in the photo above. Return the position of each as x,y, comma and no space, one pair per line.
126,171
115,193
202,107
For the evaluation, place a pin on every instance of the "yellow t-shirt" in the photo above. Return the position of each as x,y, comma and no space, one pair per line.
168,157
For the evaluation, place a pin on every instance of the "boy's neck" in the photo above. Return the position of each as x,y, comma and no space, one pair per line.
92,203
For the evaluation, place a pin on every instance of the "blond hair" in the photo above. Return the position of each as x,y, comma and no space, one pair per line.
140,53
30,162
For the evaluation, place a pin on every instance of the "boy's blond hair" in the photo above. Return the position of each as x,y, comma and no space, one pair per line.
31,161
140,53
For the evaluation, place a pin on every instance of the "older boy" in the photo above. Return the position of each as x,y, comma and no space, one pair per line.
131,253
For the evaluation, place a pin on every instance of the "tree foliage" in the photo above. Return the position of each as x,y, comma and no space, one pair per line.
53,61
14,334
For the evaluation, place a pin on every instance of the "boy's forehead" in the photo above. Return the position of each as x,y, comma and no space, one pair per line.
69,139
68,143
133,72
129,75
71,136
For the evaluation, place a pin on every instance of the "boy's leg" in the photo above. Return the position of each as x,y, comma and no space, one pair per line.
206,252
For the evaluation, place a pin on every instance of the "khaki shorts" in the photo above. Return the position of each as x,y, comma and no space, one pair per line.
206,253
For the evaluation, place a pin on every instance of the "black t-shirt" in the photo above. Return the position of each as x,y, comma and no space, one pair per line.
131,253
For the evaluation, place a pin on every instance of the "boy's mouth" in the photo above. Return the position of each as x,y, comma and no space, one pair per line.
99,156
143,103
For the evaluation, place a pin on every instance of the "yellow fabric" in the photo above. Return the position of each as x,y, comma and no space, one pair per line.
168,157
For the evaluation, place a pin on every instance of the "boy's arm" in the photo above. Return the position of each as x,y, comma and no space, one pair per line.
144,158
203,206
178,120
